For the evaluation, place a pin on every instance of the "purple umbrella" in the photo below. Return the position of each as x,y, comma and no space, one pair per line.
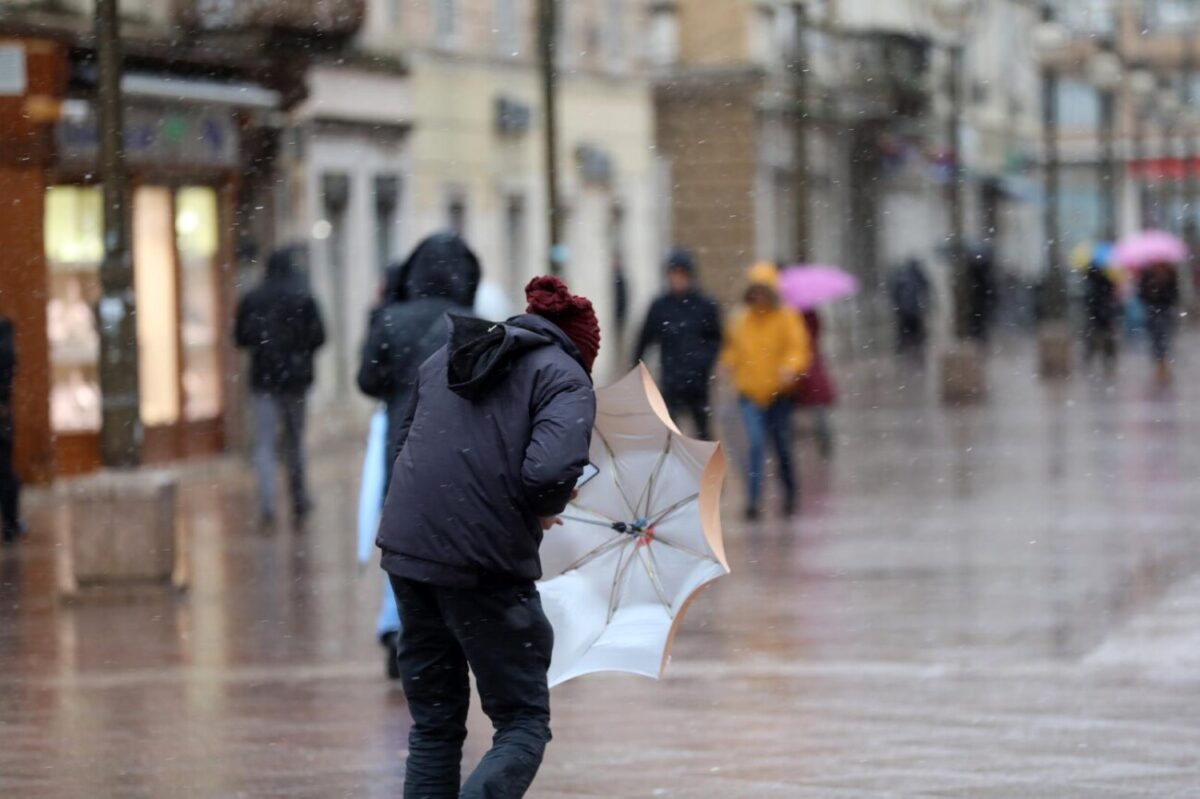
1139,250
805,286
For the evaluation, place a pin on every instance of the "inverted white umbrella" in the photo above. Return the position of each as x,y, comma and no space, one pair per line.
639,541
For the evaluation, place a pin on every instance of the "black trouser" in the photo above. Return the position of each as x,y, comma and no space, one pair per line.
692,403
10,486
505,638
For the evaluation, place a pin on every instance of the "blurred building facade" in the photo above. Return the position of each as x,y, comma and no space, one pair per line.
1128,129
433,121
203,86
864,87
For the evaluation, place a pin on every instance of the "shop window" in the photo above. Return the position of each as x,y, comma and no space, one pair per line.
74,244
196,239
157,305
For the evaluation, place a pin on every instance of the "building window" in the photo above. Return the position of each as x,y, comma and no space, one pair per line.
505,28
664,34
335,200
764,35
566,52
1078,104
387,204
614,33
445,22
515,252
456,213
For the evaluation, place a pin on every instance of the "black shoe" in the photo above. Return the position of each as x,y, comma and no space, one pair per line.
266,521
301,511
789,507
391,661
751,514
13,531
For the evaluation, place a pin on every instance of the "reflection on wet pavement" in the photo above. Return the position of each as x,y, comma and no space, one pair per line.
994,601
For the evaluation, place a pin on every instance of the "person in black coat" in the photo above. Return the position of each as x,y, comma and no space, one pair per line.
687,327
441,275
492,442
1158,289
10,486
279,323
1100,315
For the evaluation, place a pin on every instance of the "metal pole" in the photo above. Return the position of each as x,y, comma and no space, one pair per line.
954,191
1108,189
120,428
547,27
1056,285
799,64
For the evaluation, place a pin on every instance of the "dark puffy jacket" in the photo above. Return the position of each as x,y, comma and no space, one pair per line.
279,323
1159,289
688,329
496,435
440,275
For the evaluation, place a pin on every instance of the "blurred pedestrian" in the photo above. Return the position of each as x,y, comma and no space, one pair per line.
1158,289
766,350
981,292
910,299
686,325
815,391
440,276
376,465
1101,311
491,444
279,323
10,486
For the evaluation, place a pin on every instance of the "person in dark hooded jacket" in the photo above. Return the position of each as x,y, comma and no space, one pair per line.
493,440
686,325
278,322
441,275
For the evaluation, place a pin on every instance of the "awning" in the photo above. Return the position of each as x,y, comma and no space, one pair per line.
193,90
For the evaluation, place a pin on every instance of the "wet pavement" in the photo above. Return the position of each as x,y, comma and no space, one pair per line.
1000,601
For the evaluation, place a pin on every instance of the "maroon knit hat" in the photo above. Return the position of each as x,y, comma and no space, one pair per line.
550,298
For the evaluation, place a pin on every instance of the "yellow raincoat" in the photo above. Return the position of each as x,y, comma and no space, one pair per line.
766,350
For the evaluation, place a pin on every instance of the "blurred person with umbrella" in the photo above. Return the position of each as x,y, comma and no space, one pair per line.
766,350
279,324
1101,309
686,325
805,288
1154,253
910,292
494,437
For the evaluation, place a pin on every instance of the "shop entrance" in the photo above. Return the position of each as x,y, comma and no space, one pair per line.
177,257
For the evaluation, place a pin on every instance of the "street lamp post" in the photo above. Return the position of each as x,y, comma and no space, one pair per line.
120,426
1106,72
1142,83
548,50
1054,333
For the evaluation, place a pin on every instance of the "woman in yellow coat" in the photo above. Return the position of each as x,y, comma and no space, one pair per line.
766,349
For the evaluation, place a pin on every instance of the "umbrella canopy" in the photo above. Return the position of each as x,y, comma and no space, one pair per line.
1148,247
805,286
638,542
1085,253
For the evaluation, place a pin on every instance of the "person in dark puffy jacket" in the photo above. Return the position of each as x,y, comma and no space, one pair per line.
493,440
278,322
441,275
686,325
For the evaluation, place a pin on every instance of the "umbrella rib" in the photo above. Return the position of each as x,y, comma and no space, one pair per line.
686,550
612,456
577,506
648,490
581,520
650,564
618,576
595,553
671,509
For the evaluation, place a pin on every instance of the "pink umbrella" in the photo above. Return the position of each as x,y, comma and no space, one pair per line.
1139,250
805,286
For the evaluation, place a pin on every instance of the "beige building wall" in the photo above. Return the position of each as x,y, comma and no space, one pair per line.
713,32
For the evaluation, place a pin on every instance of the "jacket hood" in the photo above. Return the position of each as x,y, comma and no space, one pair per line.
482,352
394,288
442,265
287,263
